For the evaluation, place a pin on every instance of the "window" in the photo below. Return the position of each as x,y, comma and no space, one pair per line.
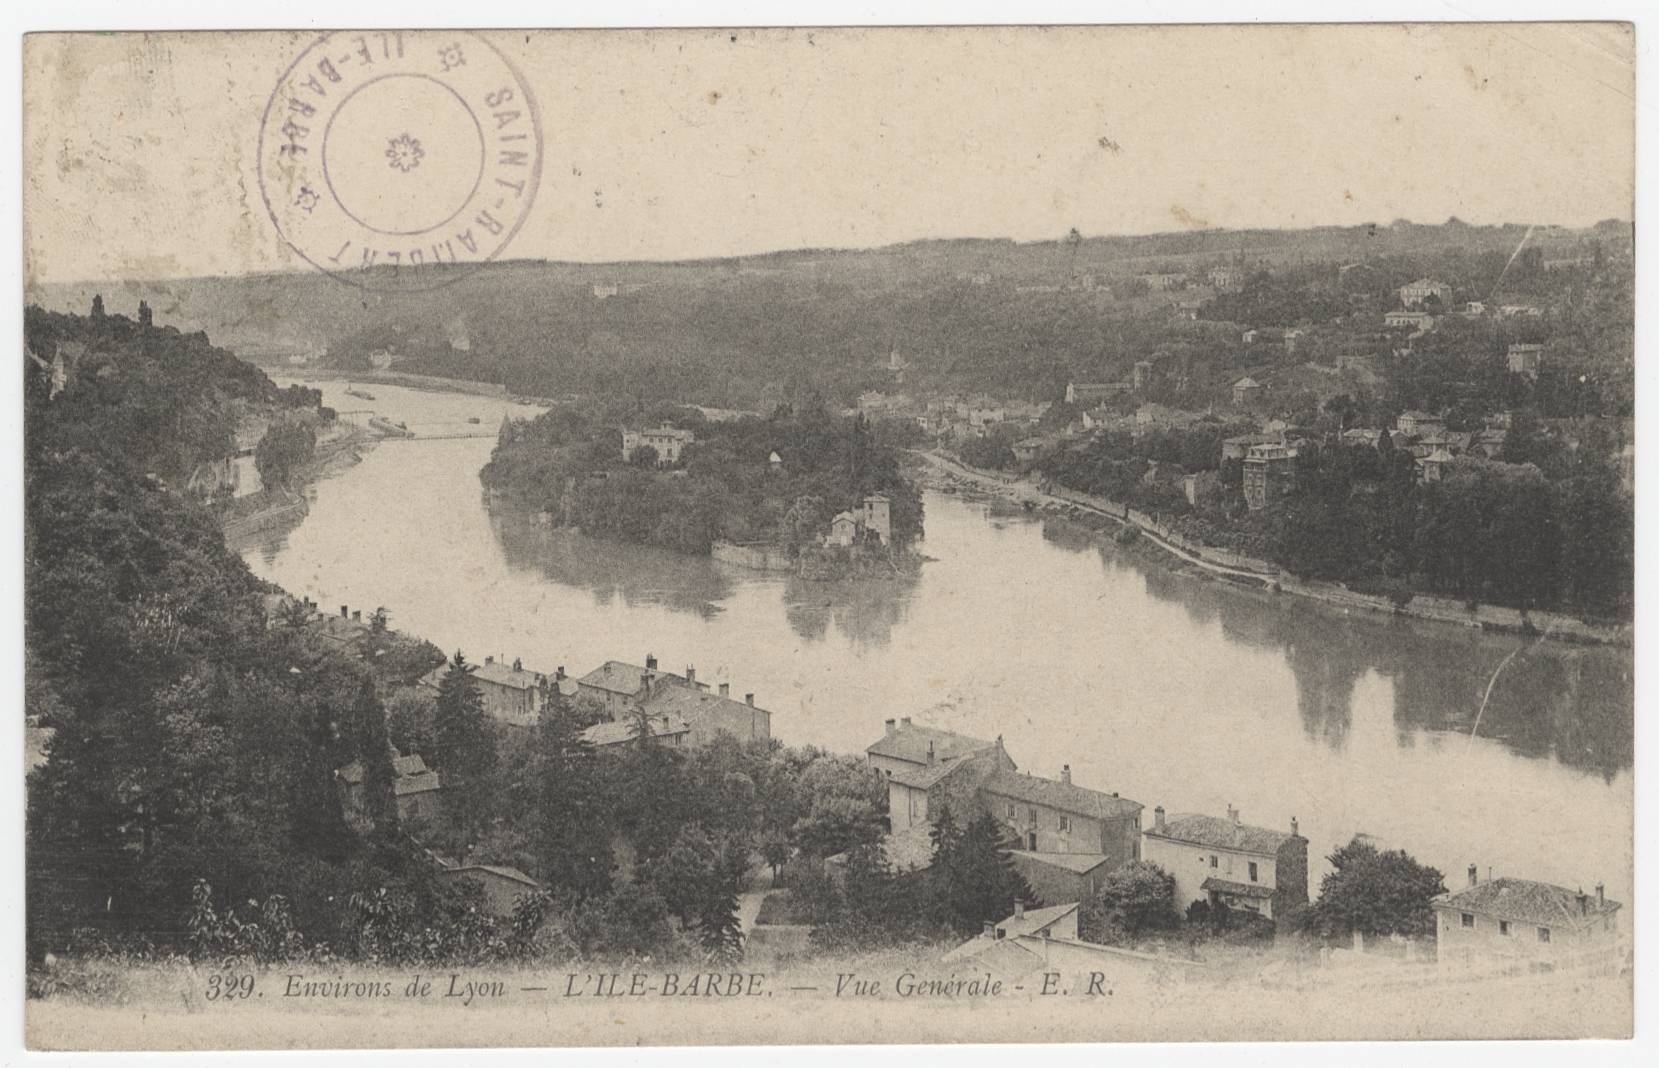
1503,928
1065,823
1214,861
1010,810
1543,934
1252,871
1468,919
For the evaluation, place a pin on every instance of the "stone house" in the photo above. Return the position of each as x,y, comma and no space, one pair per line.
621,686
1269,474
668,441
1070,837
1226,861
1522,922
666,730
416,787
1246,391
1413,294
511,693
708,715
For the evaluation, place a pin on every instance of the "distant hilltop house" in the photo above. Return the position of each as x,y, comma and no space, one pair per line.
1525,359
1223,277
1068,837
1519,921
1417,320
1414,294
1418,424
1512,311
1246,391
1092,394
1432,468
605,290
1159,281
415,786
668,442
1269,474
1226,861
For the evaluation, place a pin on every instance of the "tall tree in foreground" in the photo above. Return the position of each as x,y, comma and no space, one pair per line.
466,748
1376,893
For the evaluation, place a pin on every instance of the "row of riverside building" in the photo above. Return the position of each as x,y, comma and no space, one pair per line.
1069,837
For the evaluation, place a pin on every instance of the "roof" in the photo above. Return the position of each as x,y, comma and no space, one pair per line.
1246,383
999,956
1218,833
689,704
1527,901
1425,282
619,677
1438,456
1060,795
908,741
1078,863
493,869
616,732
926,776
1227,886
410,775
843,517
506,675
1034,920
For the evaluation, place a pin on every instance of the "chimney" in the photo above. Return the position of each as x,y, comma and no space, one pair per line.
1158,823
1295,829
892,726
344,612
559,673
518,664
1583,902
1232,814
749,699
930,750
357,616
489,658
1019,910
691,674
650,662
726,691
990,930
1474,875
1065,774
1601,894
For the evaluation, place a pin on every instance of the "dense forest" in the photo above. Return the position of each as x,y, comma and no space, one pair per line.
568,462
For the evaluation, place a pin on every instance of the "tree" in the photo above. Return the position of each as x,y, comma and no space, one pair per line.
1375,893
718,929
465,755
286,447
973,880
1132,901
573,825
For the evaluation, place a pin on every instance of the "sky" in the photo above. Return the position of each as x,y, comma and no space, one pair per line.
139,150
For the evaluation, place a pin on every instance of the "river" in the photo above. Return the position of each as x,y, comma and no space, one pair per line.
1169,690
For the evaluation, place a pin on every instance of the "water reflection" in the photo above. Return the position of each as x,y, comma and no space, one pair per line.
863,610
1570,703
610,570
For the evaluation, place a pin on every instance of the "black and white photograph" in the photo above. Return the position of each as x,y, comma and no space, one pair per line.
839,535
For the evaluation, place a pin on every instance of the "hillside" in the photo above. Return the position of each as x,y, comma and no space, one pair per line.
1018,320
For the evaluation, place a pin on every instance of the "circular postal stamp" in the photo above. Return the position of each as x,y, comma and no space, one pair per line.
399,160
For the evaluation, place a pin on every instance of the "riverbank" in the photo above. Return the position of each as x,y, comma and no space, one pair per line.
1233,570
248,517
